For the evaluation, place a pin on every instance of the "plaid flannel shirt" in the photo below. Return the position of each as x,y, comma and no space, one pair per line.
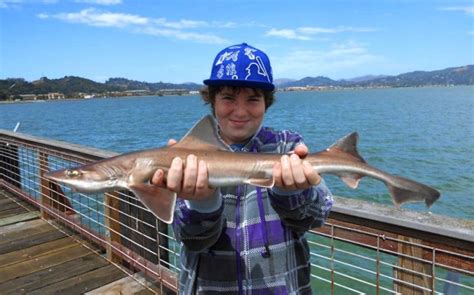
252,241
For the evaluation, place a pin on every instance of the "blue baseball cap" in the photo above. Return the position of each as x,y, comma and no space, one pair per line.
241,65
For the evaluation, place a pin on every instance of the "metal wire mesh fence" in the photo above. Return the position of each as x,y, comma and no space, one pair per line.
384,252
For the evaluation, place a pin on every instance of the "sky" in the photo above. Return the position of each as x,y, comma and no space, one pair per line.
177,41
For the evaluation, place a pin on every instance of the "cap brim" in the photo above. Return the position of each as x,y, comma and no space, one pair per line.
240,83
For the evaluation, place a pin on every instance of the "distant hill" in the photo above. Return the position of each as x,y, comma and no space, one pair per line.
282,81
311,81
364,78
126,84
70,86
451,76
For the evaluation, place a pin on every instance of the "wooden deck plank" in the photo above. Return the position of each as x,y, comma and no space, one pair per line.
36,251
9,204
12,212
43,262
126,285
31,240
4,200
19,218
22,229
52,275
36,258
84,282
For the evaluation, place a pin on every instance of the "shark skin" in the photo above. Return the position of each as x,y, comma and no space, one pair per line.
133,171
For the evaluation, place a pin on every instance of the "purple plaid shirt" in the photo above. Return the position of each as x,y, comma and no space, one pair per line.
251,240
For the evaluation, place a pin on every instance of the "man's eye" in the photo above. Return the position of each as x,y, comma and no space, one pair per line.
254,99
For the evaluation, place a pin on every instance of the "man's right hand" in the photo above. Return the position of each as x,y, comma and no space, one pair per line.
190,181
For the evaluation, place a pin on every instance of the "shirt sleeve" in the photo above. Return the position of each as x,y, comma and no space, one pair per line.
305,209
198,225
302,209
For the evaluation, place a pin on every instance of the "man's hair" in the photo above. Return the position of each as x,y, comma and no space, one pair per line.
208,94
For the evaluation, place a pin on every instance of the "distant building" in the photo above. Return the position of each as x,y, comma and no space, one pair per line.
55,95
173,91
28,96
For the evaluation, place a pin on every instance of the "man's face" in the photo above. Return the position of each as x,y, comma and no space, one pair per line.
239,113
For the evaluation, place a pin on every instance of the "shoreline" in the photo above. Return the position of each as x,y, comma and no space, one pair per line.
300,89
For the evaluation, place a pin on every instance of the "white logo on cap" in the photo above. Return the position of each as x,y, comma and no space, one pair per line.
231,71
261,70
220,72
234,55
249,52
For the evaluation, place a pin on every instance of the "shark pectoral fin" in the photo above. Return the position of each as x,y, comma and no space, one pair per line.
261,182
158,200
352,180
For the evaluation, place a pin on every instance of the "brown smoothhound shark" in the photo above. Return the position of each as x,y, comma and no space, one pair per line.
133,171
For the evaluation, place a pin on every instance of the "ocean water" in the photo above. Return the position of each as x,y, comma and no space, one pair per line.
422,133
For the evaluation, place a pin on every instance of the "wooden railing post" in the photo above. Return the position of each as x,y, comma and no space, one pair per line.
412,271
112,218
45,198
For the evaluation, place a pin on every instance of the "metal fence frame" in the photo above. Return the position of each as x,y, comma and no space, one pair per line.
363,248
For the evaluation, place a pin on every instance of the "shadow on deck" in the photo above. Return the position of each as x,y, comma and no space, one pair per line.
38,258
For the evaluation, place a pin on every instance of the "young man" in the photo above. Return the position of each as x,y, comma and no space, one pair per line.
246,239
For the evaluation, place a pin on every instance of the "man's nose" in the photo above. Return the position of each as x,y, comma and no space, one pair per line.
240,107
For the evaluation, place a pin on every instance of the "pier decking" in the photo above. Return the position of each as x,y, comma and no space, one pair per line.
38,258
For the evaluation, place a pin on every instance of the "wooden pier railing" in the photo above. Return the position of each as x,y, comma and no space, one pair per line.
363,248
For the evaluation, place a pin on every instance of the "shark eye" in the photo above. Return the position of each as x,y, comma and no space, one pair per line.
72,173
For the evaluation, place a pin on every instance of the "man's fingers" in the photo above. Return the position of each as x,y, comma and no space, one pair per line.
175,175
286,172
311,175
202,182
190,175
301,150
299,176
277,174
158,178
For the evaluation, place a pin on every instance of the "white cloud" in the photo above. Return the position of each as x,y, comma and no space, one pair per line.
182,24
304,33
92,17
339,29
100,2
10,3
152,26
180,35
346,57
20,3
466,9
286,33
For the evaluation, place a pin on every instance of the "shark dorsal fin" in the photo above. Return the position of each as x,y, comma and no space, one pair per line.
204,135
348,144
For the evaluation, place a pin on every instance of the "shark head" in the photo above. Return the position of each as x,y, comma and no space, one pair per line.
87,178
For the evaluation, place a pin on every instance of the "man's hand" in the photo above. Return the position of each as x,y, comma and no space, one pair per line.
292,173
190,181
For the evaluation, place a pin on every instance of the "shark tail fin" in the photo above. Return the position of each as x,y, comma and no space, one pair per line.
159,201
404,190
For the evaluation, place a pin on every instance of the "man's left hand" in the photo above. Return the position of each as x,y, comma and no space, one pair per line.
293,173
